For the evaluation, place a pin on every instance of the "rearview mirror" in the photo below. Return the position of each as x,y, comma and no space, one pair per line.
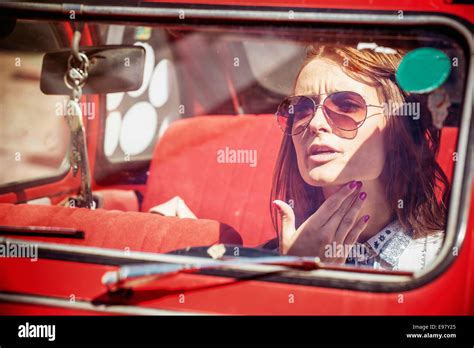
112,69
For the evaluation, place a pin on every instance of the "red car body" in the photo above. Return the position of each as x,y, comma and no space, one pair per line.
52,286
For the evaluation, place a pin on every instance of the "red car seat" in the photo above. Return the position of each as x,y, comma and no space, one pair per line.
186,164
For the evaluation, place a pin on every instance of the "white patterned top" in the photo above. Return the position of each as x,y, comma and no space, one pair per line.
394,248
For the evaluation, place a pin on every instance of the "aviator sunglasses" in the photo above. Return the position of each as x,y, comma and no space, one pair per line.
345,110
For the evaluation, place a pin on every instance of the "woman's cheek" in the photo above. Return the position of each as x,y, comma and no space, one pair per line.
368,161
368,166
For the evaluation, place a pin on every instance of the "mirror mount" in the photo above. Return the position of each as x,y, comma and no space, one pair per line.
106,69
112,69
75,78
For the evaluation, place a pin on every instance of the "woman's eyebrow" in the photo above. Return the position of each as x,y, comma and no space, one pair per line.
313,93
311,90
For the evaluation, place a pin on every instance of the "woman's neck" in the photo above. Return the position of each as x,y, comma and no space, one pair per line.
376,206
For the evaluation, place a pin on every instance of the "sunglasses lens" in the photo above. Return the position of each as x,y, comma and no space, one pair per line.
345,109
294,114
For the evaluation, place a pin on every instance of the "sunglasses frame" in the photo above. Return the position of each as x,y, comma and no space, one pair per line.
315,109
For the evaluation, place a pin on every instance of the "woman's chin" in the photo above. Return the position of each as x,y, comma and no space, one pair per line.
323,177
322,180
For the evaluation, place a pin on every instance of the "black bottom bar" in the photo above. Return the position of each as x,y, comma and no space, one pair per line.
239,331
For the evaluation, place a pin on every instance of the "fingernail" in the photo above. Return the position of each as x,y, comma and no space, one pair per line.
366,218
352,184
359,184
363,195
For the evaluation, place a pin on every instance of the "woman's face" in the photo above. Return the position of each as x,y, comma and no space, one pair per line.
361,158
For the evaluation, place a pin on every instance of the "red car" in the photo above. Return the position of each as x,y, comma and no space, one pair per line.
157,199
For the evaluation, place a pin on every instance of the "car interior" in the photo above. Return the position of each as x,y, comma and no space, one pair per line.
203,90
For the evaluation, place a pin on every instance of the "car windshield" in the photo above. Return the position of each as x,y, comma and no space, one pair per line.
330,142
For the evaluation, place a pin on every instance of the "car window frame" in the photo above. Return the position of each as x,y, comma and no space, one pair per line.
227,15
62,170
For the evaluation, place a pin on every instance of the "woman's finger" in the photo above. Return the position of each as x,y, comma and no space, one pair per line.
334,202
356,231
287,224
328,224
348,219
336,218
339,217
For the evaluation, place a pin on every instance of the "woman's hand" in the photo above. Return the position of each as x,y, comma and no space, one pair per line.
335,221
174,207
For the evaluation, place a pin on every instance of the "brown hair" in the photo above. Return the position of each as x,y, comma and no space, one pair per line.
411,174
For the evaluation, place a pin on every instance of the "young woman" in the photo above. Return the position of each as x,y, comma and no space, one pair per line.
353,182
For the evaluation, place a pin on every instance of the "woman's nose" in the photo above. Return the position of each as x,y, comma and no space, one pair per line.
319,123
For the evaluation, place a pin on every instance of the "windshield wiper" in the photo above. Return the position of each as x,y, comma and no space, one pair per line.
128,276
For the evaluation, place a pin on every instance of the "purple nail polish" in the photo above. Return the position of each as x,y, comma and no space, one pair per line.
359,184
363,195
352,184
366,218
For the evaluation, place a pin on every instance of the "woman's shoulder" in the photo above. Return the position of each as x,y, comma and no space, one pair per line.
421,251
